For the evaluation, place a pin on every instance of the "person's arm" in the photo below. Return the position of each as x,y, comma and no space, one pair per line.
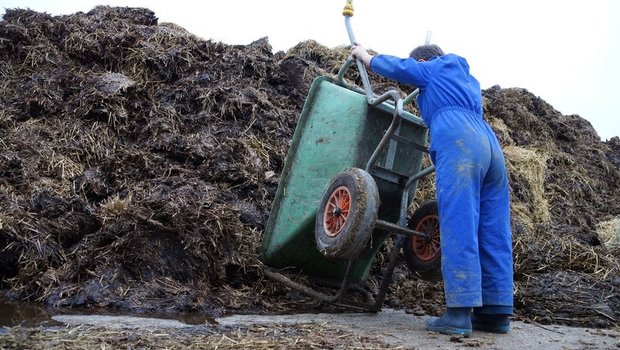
403,70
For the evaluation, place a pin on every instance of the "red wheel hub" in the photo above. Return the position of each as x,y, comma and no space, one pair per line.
337,211
427,249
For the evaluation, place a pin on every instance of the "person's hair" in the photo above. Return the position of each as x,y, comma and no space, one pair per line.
426,52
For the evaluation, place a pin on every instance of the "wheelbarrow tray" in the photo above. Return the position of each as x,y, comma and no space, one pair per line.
337,130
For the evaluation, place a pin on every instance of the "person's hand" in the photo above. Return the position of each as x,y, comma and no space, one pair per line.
360,53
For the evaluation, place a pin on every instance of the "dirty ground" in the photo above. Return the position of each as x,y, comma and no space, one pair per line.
138,164
389,329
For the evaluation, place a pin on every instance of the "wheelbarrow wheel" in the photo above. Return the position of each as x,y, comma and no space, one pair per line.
423,255
347,214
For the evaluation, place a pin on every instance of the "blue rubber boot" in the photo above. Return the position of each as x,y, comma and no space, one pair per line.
493,319
456,320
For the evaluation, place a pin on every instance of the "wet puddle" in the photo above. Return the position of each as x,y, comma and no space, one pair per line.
22,314
13,313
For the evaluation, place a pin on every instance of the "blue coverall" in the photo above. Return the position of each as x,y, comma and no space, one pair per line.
472,185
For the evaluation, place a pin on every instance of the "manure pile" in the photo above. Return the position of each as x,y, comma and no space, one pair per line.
138,164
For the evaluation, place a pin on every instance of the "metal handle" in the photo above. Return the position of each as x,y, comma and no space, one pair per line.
372,98
347,12
370,95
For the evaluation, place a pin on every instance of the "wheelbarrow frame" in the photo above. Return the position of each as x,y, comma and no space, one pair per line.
400,229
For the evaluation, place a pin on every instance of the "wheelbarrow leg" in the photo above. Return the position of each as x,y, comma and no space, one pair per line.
400,244
344,286
387,280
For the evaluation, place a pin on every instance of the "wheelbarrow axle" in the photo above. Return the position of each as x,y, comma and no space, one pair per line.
391,227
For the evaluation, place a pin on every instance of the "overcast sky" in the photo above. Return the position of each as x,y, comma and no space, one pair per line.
567,52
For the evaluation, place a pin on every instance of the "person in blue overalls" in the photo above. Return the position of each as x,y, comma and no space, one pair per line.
472,189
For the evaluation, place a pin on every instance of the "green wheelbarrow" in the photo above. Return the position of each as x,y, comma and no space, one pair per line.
348,179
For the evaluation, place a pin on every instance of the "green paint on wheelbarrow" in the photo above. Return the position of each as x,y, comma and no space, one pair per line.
337,130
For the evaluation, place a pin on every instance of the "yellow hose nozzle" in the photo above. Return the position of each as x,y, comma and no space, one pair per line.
348,9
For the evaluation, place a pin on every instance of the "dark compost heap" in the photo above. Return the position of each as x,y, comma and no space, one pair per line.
138,165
